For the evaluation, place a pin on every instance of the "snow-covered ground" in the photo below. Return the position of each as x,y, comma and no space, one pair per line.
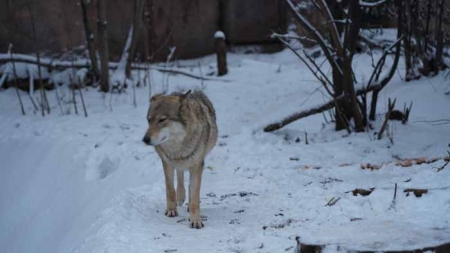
75,184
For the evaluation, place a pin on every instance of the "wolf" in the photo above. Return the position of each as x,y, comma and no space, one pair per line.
183,130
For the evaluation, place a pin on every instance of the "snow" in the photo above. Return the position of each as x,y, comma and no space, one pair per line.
119,76
76,184
219,35
371,4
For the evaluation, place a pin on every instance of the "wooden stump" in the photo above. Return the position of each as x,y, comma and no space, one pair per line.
221,51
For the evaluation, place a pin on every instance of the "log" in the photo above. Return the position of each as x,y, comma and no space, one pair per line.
312,248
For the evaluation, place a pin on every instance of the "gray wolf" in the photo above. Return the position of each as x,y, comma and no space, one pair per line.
183,130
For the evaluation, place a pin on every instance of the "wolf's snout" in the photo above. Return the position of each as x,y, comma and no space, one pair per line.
146,140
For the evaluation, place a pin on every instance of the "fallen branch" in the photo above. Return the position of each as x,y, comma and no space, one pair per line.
176,72
378,44
85,63
318,248
435,122
318,109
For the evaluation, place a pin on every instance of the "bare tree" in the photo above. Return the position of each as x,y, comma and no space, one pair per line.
337,37
103,41
15,81
90,37
423,42
44,100
377,71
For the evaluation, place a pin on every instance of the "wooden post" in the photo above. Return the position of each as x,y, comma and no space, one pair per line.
221,50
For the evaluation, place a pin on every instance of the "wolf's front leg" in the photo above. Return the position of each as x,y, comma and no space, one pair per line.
195,180
171,195
181,192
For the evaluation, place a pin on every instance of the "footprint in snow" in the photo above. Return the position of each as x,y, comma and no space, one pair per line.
96,171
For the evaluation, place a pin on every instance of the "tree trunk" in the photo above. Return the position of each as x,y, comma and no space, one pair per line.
90,38
400,26
137,22
104,52
440,37
149,35
341,106
350,45
350,90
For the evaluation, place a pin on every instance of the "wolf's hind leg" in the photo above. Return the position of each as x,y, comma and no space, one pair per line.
181,191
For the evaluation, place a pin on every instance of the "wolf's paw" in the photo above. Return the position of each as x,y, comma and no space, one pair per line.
196,223
171,212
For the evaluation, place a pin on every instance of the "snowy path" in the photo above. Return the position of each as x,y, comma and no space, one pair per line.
74,184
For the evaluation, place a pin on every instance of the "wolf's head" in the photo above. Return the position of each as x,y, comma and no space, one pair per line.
164,120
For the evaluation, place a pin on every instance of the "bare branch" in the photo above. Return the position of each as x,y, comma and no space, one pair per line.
323,78
288,36
332,27
315,33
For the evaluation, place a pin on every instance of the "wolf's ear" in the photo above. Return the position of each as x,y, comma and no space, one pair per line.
185,95
156,97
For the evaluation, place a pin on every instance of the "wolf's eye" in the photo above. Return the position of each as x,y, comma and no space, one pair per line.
161,120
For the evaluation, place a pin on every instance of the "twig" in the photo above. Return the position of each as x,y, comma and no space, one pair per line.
16,83
58,99
110,101
202,85
394,199
332,201
134,95
446,163
322,77
74,101
435,122
82,102
383,127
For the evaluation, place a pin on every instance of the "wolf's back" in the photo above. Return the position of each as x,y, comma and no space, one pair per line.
200,97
